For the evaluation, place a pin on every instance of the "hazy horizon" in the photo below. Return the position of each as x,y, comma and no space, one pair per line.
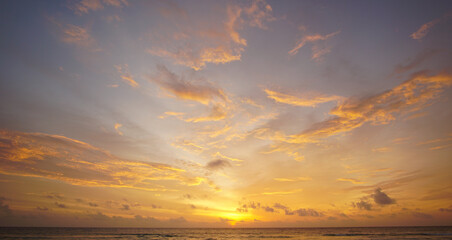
243,114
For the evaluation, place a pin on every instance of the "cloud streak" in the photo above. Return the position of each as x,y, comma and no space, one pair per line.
78,163
310,100
85,6
317,49
123,71
182,89
424,29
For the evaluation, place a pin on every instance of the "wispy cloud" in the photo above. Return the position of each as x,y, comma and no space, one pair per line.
282,192
218,154
85,6
78,36
412,95
117,126
297,179
123,71
424,29
180,88
197,90
78,163
217,113
219,46
317,49
352,180
416,61
309,100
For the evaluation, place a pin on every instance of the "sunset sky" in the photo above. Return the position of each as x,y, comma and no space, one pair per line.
121,113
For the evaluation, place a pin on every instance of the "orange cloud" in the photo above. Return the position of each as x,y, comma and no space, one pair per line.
316,49
188,146
84,6
217,114
218,154
126,76
252,103
282,192
78,36
219,46
298,179
176,114
412,95
424,29
117,126
78,163
310,100
352,180
258,13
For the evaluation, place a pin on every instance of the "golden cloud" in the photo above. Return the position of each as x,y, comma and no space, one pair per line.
310,100
78,163
412,95
125,75
352,180
219,46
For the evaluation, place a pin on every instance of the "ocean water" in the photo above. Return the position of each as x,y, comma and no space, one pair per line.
230,234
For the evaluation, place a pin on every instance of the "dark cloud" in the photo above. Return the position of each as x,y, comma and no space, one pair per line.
4,209
300,212
382,198
307,212
92,204
242,210
445,209
422,215
125,207
279,206
218,164
42,208
252,205
363,205
155,206
269,209
60,205
53,195
188,196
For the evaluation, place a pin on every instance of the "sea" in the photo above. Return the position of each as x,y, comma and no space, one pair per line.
227,233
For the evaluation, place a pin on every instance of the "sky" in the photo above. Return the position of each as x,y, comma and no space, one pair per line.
121,113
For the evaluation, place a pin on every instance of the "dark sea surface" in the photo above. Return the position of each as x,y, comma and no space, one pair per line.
231,234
